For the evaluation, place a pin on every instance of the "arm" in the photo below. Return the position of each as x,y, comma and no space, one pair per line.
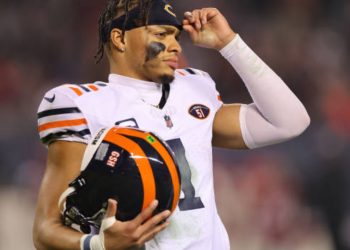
227,129
276,114
63,166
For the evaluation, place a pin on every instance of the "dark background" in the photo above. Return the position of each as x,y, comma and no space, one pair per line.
290,196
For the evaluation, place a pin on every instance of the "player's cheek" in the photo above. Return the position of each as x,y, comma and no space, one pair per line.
153,49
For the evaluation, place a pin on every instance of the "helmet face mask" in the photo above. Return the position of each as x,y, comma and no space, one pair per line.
129,165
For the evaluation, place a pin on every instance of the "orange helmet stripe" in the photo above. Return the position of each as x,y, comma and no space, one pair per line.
142,163
165,155
172,169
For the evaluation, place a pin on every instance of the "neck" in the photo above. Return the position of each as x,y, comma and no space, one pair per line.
124,70
151,72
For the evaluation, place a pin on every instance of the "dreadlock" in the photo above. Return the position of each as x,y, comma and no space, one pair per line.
115,9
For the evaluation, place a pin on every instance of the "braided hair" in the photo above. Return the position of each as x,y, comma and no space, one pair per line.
113,10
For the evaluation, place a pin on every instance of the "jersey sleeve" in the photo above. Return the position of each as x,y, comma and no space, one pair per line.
59,118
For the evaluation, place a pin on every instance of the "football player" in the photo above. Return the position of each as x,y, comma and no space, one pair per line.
147,90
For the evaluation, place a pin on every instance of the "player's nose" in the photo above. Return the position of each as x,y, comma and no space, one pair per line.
174,46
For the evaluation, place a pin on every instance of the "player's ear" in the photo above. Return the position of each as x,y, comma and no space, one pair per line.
116,40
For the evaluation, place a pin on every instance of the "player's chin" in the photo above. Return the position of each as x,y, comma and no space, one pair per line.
166,79
161,73
166,76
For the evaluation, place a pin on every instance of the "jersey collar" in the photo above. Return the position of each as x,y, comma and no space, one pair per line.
136,84
148,92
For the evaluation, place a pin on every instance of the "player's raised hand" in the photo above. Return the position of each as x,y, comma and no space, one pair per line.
208,28
135,233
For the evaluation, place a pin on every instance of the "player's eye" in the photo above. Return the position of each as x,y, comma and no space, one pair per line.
161,34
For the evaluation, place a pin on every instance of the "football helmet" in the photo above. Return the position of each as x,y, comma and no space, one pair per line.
129,165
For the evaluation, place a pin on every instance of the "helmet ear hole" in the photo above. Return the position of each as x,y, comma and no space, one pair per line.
129,165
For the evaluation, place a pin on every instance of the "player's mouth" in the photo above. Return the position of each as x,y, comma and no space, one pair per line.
172,63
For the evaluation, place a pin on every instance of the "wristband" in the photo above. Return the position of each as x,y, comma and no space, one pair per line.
91,242
96,242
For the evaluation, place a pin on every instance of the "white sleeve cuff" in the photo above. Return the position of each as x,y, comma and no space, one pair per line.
229,49
247,137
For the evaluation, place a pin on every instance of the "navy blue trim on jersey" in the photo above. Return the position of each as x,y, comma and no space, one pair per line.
52,136
84,88
101,84
190,71
60,111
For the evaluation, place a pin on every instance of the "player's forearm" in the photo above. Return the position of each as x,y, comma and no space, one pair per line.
53,235
285,116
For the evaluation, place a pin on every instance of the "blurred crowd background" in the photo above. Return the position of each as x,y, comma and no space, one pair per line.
290,196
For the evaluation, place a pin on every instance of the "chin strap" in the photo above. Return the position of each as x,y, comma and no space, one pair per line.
63,197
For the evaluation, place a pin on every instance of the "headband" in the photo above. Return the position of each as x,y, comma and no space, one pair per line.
160,13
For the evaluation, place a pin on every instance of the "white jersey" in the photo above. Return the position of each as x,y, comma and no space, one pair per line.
76,112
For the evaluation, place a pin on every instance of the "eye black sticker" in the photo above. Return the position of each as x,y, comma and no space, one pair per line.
154,49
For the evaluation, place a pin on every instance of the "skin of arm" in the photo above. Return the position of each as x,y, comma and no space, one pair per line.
226,128
63,165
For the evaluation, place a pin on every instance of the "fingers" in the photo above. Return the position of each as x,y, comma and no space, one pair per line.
153,226
146,213
193,18
136,232
189,19
188,28
198,18
187,25
109,219
111,208
155,220
150,235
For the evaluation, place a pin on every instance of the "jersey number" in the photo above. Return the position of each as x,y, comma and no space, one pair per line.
190,201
